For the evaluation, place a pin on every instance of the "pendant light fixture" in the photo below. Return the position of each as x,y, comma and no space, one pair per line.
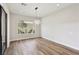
37,21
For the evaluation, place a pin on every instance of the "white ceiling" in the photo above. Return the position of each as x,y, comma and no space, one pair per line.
29,10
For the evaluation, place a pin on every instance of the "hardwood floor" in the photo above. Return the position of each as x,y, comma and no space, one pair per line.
38,46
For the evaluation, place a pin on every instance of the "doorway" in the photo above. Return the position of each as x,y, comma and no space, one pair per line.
3,30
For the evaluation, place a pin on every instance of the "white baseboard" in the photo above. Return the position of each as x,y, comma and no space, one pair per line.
22,39
62,44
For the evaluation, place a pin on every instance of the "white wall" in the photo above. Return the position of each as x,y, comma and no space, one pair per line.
14,19
62,26
8,19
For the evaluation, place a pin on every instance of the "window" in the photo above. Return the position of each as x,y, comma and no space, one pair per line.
26,27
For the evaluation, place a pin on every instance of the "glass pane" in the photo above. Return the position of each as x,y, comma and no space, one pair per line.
24,28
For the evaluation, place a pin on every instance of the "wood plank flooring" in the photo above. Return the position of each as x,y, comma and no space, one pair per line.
38,46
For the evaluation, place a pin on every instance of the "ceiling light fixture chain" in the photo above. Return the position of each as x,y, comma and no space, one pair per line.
37,15
37,11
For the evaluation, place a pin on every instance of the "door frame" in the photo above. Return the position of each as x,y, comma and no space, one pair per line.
1,8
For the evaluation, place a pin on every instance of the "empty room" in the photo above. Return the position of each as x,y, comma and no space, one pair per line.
39,29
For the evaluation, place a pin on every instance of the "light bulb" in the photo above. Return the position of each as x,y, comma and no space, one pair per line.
37,22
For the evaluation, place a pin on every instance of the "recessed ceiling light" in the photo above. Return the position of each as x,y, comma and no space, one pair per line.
23,4
58,5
